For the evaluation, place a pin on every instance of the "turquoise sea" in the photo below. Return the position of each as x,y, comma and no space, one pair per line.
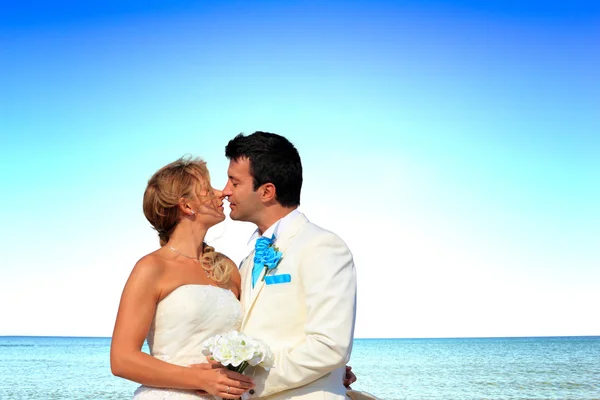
490,368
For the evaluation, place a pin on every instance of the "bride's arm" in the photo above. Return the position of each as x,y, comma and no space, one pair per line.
136,311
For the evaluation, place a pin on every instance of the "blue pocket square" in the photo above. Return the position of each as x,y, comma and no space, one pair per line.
275,279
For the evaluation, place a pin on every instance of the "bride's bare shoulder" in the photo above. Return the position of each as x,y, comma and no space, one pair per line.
150,266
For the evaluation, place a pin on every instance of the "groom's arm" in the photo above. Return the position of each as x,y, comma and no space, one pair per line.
328,277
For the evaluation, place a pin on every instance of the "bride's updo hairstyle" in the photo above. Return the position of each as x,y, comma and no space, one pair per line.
184,178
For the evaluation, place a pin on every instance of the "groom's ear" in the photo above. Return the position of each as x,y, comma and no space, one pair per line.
268,192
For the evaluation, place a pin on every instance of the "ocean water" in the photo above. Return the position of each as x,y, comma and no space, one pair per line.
491,368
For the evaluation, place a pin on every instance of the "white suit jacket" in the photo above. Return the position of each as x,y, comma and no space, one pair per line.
308,322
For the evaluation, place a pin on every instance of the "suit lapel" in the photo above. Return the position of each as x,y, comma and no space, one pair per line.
284,239
246,273
251,294
260,283
282,242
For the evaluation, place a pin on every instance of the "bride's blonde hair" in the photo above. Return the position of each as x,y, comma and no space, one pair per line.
184,178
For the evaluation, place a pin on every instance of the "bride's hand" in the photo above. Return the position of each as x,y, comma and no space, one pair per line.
219,381
210,360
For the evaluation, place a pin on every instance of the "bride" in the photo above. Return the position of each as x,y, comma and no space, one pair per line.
179,295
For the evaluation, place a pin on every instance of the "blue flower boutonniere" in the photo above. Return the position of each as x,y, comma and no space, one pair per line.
267,254
271,259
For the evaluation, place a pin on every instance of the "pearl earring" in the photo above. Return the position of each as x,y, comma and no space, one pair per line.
193,212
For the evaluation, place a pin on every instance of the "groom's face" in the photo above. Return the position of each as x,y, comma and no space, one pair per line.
244,201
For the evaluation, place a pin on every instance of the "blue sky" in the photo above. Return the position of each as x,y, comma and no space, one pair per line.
454,145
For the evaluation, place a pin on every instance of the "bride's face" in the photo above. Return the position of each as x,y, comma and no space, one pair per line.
209,210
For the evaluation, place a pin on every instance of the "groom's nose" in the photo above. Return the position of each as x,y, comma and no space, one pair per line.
227,191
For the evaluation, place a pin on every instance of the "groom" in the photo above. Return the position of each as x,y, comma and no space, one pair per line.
299,284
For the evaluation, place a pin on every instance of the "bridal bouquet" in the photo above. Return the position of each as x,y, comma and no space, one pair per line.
236,351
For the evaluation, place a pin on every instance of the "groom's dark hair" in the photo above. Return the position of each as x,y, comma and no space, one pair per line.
272,159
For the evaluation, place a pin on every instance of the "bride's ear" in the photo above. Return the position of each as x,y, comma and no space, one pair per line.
185,207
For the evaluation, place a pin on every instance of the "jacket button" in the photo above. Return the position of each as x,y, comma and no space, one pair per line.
251,391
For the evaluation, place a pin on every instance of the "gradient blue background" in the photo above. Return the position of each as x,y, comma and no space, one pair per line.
454,145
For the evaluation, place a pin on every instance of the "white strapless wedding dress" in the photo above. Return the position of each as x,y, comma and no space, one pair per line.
183,321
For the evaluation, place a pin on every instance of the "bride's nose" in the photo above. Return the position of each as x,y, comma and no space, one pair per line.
219,193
